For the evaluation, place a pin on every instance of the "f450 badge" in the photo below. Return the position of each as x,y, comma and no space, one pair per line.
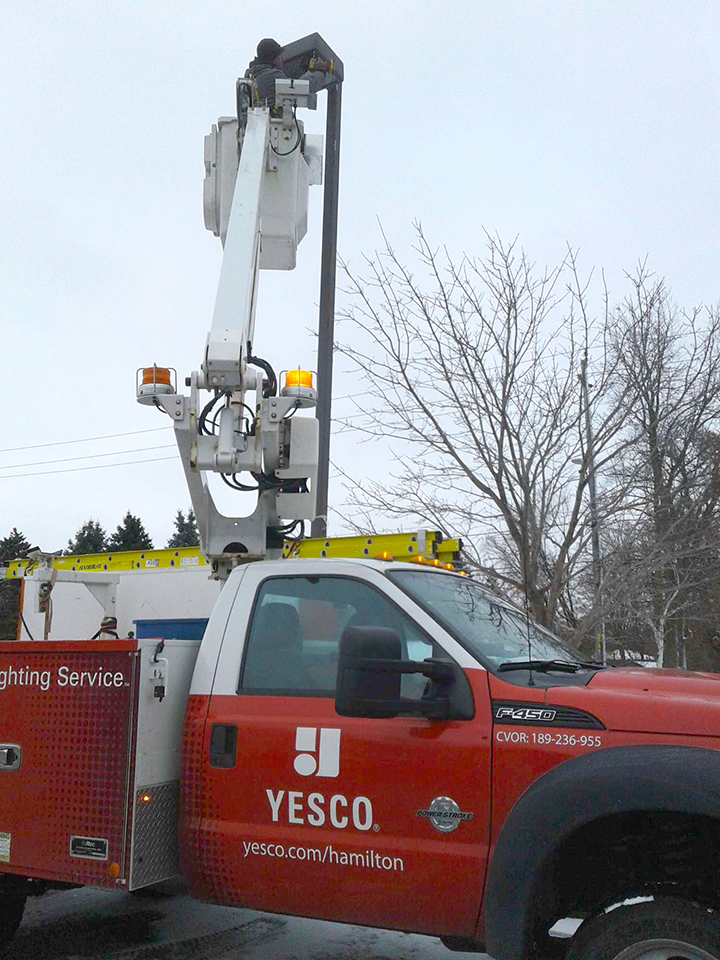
525,713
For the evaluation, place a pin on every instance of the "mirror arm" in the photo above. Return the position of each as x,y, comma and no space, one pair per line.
439,670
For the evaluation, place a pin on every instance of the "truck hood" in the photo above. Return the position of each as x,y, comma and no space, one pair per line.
647,700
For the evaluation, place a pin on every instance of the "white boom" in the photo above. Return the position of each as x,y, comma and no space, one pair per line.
234,315
255,199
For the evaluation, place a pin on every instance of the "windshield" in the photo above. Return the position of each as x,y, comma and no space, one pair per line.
494,631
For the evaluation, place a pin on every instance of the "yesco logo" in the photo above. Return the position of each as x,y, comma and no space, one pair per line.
319,756
311,760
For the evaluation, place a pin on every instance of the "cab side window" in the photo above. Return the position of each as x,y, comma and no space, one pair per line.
293,640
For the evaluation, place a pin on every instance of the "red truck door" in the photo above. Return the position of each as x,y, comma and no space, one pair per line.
310,813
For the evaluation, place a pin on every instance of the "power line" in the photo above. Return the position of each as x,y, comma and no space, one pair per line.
98,466
113,436
91,456
61,443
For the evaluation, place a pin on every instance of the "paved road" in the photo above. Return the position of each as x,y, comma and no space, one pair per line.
99,925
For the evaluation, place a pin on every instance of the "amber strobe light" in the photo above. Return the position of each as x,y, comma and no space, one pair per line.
152,382
156,375
298,378
299,386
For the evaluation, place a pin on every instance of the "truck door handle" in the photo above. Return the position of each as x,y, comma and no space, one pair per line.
10,756
223,745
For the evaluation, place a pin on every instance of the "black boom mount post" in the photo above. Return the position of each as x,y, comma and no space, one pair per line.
296,58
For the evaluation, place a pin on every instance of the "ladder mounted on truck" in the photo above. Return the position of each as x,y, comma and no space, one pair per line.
429,544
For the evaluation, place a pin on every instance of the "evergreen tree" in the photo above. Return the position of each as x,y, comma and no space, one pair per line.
90,538
12,547
186,531
130,535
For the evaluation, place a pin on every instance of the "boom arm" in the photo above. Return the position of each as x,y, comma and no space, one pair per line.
233,320
260,213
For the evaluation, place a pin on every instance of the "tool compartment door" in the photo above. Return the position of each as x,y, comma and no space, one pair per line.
68,710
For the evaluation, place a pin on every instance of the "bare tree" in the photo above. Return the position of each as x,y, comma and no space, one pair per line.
669,362
475,383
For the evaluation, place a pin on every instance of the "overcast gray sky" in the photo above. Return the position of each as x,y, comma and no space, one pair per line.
593,122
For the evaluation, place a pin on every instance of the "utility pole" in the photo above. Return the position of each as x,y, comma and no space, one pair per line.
594,518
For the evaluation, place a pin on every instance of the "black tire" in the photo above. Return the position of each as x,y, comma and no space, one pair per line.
661,929
12,908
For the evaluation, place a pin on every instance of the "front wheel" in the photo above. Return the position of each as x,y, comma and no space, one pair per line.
661,929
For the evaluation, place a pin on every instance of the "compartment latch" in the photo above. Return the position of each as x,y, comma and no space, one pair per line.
10,756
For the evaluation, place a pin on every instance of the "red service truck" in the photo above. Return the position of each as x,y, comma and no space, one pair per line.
366,741
375,742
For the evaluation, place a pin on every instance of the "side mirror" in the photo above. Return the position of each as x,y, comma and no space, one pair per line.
368,679
365,685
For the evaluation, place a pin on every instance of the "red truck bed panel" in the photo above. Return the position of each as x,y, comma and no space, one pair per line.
66,716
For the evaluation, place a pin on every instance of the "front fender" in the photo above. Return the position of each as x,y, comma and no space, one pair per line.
612,781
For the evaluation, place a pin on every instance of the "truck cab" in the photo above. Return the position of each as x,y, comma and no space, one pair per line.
288,806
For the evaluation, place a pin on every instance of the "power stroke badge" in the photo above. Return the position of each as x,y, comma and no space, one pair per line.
444,814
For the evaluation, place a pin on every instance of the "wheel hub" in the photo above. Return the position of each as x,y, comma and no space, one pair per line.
663,949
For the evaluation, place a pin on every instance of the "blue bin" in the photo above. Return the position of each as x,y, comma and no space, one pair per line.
181,629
